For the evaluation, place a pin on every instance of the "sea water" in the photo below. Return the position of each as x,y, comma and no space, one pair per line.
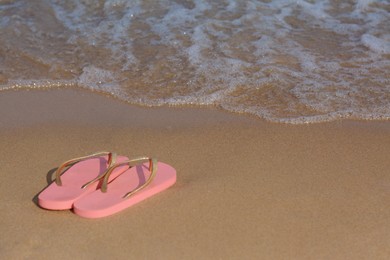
284,61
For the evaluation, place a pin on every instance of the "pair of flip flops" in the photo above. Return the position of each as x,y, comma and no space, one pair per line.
103,184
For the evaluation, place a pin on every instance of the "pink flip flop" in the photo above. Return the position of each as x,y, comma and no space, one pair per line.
83,176
132,186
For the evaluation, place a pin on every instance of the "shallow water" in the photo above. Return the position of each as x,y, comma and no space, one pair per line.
284,61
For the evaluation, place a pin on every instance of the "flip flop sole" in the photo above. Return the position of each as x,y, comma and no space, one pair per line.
62,197
98,204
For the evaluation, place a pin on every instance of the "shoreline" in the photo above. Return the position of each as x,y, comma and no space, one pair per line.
246,188
85,92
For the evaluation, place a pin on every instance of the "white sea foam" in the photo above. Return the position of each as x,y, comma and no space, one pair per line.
362,5
285,61
377,44
98,79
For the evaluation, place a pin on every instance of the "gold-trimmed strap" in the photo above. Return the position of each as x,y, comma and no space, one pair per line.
132,163
67,164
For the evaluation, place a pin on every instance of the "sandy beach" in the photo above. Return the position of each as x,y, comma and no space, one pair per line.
246,188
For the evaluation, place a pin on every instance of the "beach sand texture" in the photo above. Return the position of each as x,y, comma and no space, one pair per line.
246,189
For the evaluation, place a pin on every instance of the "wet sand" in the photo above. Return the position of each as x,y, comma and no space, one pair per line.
246,189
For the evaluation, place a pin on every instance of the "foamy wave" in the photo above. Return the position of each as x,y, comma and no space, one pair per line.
377,44
285,61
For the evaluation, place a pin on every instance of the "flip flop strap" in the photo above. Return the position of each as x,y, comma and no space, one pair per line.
67,164
132,163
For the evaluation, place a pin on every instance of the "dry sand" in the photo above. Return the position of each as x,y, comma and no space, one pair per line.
246,189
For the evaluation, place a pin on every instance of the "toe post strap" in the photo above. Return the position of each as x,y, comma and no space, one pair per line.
132,163
111,161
